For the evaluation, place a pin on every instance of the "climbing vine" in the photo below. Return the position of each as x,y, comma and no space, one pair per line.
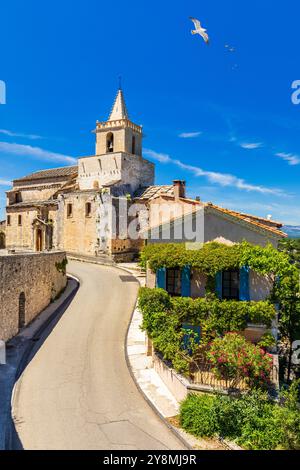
214,257
62,266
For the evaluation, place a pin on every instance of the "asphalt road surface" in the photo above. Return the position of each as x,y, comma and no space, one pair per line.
77,392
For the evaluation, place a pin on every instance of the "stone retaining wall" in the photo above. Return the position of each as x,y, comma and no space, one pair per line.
28,283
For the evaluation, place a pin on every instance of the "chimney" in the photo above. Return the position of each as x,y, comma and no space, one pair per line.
179,189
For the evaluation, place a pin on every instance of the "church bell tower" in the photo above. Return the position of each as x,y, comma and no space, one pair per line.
118,133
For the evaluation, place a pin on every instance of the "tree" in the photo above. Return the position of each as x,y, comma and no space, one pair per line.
287,294
291,246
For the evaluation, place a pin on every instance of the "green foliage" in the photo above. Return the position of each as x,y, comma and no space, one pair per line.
232,357
252,420
291,246
210,259
164,315
62,266
198,415
265,260
281,266
286,293
267,341
214,257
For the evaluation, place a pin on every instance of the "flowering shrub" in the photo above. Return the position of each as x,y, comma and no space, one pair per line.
232,357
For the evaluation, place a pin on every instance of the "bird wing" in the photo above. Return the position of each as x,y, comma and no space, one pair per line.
196,23
205,36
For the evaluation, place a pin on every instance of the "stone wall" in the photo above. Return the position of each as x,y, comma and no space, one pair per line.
114,168
20,236
23,236
33,277
79,233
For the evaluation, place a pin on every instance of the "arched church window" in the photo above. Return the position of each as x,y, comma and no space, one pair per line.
109,142
133,145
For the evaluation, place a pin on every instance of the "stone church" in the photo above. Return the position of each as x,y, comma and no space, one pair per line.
87,208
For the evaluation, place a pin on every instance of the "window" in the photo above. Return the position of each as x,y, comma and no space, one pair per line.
109,142
174,282
18,197
19,220
230,285
133,145
69,210
88,209
8,220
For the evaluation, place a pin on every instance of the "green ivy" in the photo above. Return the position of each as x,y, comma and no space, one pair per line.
214,257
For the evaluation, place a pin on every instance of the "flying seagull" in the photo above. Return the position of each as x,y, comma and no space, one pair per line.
230,48
199,30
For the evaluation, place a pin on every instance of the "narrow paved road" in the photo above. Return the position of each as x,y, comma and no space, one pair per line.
77,392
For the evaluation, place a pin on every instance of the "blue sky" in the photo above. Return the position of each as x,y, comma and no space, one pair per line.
223,121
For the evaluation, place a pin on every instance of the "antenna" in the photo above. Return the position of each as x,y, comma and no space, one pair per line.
120,82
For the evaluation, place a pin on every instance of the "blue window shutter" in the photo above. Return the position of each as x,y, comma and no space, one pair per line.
244,283
161,278
218,281
186,281
186,337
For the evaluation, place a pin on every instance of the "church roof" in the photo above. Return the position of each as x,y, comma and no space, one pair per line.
52,173
119,110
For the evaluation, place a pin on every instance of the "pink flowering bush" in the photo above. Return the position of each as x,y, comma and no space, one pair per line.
232,357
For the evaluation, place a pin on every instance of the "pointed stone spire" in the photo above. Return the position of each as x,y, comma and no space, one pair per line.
119,110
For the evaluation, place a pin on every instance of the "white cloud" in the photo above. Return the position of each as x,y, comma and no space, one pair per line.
289,157
35,152
4,182
251,146
190,135
222,179
18,134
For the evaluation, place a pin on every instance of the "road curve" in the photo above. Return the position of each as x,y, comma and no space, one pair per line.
77,392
